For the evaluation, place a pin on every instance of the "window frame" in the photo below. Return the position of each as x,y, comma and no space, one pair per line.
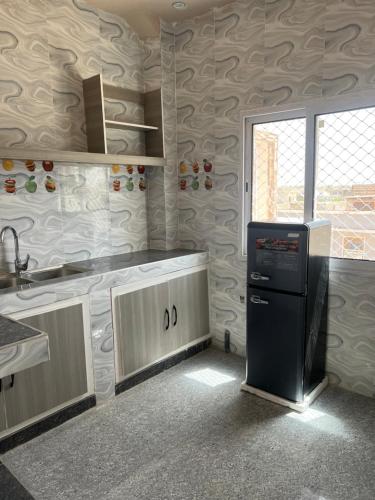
310,110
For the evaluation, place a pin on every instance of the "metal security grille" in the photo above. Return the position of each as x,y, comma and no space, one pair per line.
345,181
278,170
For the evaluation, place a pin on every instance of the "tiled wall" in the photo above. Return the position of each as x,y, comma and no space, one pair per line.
83,217
243,56
46,48
168,66
159,71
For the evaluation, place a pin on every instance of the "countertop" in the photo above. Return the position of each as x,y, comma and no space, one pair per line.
102,265
12,332
21,347
133,259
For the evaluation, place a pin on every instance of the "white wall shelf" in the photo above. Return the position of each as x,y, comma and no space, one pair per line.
69,157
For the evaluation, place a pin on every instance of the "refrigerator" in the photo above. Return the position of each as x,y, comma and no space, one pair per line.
287,292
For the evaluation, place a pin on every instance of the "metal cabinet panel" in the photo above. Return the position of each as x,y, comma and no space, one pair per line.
63,378
189,307
140,324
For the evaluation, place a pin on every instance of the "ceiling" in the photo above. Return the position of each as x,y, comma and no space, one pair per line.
143,15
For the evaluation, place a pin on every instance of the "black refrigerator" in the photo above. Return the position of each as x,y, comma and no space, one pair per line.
287,292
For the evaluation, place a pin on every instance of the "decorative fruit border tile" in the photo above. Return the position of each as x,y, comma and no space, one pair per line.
128,178
196,175
15,176
29,176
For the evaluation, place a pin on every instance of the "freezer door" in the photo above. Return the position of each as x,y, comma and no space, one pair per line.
277,258
275,342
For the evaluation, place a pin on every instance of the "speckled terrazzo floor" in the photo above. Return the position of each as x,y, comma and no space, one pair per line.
189,433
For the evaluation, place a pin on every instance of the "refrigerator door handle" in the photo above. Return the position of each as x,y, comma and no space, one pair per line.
258,277
255,299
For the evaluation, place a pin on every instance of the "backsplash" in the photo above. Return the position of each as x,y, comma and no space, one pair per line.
73,212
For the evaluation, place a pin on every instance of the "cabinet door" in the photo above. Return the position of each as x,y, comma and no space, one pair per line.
140,323
189,307
59,380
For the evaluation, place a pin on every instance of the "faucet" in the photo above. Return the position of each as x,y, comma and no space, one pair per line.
18,264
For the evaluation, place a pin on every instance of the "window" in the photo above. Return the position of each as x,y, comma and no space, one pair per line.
315,162
278,175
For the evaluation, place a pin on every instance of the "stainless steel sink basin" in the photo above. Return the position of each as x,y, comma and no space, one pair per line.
53,273
10,281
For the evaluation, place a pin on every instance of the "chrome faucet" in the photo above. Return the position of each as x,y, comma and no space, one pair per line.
18,264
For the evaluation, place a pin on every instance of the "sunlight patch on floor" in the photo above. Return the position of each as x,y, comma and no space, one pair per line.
322,422
210,377
307,416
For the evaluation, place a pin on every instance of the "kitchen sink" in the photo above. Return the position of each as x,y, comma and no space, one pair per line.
10,281
53,273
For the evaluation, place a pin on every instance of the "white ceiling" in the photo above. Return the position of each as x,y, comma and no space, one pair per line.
143,15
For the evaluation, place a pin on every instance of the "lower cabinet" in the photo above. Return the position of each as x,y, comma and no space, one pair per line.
158,317
65,377
189,306
140,326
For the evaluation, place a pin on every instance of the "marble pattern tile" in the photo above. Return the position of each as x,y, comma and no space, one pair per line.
36,217
293,63
168,71
195,75
102,344
73,36
115,29
26,102
351,332
349,48
152,64
128,222
47,47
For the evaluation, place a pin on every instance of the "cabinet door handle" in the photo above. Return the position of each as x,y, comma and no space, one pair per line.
166,314
174,315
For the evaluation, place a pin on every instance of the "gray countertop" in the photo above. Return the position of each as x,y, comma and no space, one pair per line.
21,347
132,259
12,332
101,265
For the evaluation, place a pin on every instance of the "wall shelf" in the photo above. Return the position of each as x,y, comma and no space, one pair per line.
129,126
69,157
95,92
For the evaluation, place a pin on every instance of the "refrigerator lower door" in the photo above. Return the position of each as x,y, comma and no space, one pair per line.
275,342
